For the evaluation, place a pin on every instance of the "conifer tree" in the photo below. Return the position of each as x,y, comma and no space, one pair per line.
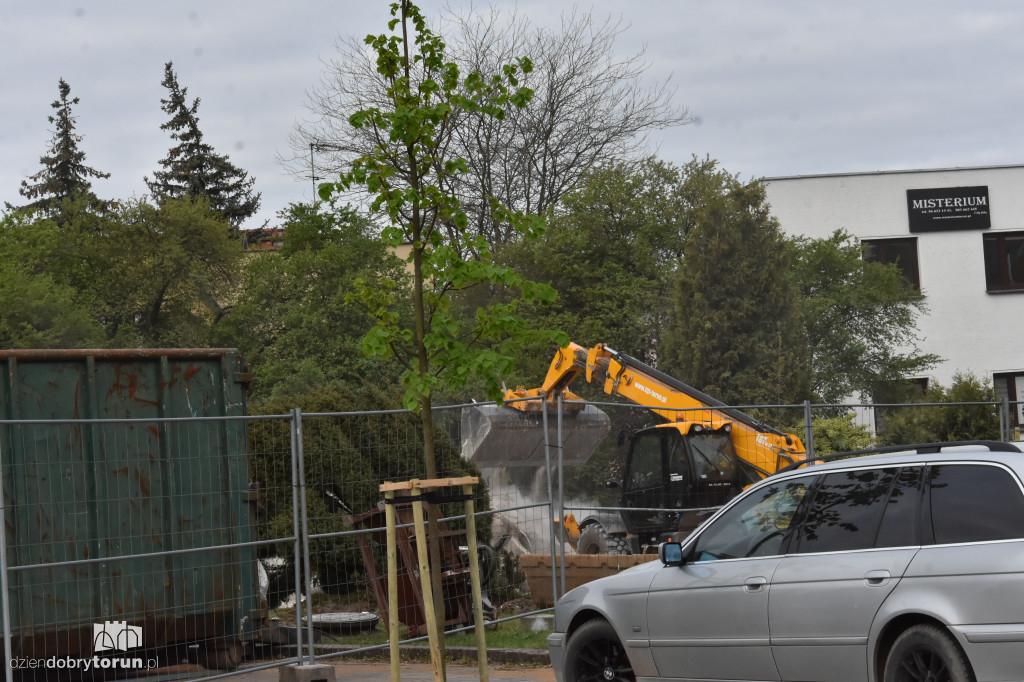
64,174
737,332
192,169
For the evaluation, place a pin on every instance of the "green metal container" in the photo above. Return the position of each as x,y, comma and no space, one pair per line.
119,499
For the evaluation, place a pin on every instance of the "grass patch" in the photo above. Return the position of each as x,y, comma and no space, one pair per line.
513,634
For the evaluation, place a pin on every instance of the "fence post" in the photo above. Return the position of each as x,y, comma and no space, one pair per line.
551,495
474,583
808,429
561,491
305,534
1004,420
296,532
5,596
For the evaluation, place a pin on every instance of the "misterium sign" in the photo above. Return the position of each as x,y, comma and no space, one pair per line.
948,208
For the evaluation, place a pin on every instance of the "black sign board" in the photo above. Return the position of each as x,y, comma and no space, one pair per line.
948,208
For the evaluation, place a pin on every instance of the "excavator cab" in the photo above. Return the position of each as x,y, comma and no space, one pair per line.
674,474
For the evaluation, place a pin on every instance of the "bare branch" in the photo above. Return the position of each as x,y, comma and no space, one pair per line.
590,105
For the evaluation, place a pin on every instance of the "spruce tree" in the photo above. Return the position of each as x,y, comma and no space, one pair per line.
192,169
64,174
737,332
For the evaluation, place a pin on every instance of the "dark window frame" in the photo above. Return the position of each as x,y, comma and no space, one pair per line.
998,278
929,535
1008,382
885,481
881,251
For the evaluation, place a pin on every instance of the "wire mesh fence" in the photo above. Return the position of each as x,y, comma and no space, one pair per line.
231,543
130,545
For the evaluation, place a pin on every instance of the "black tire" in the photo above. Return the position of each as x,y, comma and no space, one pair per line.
927,652
594,539
595,654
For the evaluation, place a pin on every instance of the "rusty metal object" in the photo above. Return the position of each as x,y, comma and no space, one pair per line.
102,513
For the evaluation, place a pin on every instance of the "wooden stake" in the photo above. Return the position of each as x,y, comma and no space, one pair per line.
393,636
425,578
474,579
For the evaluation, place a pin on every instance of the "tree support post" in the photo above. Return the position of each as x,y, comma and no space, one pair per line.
393,636
434,633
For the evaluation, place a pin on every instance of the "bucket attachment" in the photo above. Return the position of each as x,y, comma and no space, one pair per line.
500,436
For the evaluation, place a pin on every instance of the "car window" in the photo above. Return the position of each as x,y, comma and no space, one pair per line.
845,512
900,525
755,525
974,503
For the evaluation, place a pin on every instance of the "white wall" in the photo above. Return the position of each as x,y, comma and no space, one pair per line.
969,328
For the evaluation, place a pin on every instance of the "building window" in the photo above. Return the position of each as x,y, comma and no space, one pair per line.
1010,387
901,252
1004,261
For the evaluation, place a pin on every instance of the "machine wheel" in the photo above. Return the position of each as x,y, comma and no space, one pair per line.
594,539
927,653
594,652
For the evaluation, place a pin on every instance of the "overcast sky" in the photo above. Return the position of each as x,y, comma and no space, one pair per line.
779,88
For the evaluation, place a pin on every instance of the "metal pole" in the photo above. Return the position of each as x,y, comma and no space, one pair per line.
295,532
561,487
305,535
312,170
808,429
1004,420
551,497
474,582
5,595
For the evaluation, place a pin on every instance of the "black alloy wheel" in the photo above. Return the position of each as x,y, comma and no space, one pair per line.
927,653
595,654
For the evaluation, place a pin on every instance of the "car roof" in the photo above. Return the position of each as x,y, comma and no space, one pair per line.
986,451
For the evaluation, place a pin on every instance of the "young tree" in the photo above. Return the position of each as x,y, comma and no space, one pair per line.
192,169
591,106
737,332
64,174
406,170
860,319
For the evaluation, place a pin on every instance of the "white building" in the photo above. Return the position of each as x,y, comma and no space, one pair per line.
958,233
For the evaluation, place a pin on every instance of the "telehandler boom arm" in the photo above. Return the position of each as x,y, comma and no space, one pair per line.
692,411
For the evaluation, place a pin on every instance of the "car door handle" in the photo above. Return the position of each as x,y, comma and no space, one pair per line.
877,578
755,584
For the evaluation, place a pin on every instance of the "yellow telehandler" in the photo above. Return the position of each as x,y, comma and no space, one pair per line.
675,472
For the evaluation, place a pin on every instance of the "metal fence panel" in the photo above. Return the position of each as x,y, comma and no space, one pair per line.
169,525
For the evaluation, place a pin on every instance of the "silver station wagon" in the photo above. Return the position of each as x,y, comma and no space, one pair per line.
892,566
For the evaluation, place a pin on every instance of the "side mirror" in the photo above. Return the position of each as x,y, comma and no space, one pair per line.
612,484
671,553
